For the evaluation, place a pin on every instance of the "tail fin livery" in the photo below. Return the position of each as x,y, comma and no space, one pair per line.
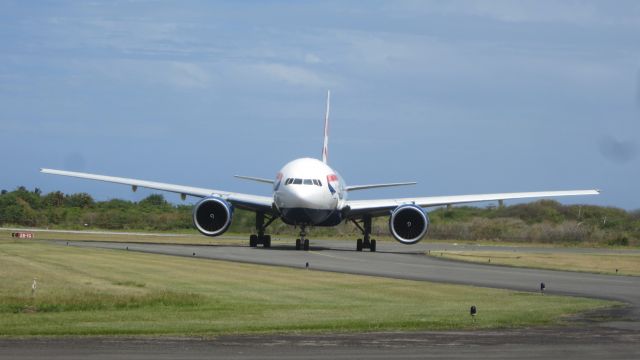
325,146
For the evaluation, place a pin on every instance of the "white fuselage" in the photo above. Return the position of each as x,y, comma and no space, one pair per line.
308,192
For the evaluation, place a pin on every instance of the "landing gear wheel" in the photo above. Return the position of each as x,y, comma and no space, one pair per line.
366,242
302,243
261,226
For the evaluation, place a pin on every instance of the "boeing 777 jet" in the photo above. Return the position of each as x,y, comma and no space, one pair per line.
308,192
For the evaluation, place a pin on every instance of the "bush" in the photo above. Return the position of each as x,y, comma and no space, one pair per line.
619,241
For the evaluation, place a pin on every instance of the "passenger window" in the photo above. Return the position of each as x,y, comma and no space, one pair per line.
297,181
308,182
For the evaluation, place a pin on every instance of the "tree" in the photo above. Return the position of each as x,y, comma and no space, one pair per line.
53,199
155,200
80,200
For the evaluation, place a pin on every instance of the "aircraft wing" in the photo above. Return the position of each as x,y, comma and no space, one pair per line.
243,201
357,208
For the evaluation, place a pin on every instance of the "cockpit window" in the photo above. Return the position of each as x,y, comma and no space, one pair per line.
295,181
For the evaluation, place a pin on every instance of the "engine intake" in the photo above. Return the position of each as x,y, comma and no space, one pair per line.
408,223
212,216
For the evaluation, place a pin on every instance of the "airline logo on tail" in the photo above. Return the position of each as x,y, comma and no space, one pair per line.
325,147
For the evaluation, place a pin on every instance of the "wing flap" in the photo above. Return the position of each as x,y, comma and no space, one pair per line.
374,186
253,178
381,206
245,201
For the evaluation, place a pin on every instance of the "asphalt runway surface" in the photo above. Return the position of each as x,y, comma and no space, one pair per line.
587,339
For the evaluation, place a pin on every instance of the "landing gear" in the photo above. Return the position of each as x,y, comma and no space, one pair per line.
302,243
367,242
261,238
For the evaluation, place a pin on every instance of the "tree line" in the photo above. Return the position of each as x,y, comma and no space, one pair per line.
540,221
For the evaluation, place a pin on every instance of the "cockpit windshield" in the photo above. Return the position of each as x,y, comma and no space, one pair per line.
296,181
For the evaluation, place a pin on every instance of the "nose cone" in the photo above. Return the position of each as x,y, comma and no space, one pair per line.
304,204
304,196
304,216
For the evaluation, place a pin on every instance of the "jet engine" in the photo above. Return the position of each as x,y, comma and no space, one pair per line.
408,223
212,216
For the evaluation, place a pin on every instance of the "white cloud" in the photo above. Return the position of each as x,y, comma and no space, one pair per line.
545,11
293,75
311,58
175,74
188,75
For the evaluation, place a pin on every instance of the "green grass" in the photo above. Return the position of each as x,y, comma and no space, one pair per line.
155,237
108,292
626,264
195,238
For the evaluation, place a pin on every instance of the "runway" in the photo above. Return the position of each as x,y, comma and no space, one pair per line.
612,339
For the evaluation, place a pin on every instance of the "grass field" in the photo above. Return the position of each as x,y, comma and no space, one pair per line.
162,238
84,291
193,237
626,264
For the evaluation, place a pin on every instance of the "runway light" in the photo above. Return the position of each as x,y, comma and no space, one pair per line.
473,312
542,287
616,271
307,265
194,254
34,287
127,248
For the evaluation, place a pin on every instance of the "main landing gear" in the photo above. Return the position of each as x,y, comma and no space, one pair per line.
302,242
367,242
261,238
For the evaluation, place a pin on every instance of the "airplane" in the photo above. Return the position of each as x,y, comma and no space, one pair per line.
308,192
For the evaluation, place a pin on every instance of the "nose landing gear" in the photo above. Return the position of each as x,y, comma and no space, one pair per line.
302,242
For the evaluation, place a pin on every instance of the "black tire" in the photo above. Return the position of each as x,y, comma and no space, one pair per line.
298,244
359,245
267,241
253,240
306,244
372,248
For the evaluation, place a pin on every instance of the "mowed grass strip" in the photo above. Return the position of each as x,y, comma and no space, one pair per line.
626,264
178,238
84,291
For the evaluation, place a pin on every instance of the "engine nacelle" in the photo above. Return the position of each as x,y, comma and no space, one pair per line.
212,216
408,223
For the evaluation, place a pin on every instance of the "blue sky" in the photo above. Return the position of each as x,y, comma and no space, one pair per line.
463,97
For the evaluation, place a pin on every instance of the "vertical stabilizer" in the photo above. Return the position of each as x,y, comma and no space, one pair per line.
325,146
